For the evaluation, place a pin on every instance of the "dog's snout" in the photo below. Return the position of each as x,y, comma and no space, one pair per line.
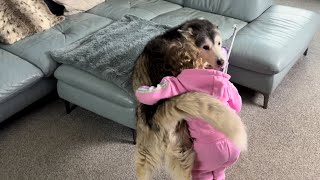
220,62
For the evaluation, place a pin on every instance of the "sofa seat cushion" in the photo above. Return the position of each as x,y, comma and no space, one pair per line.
176,17
274,40
35,48
80,25
16,75
143,9
94,85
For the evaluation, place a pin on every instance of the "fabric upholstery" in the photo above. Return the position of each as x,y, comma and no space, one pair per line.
21,18
16,75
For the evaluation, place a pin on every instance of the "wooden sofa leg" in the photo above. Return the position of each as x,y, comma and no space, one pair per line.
266,100
134,135
306,52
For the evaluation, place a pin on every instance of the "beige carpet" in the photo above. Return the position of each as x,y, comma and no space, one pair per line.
284,141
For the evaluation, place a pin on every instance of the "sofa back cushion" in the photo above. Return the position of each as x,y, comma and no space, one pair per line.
180,2
245,10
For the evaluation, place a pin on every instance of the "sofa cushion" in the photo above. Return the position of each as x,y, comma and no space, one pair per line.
245,10
80,25
35,48
26,97
98,105
180,2
176,17
16,75
270,43
94,85
143,9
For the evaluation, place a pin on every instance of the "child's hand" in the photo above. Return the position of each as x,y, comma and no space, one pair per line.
200,64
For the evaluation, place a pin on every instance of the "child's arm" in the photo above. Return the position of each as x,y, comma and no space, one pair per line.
168,87
235,101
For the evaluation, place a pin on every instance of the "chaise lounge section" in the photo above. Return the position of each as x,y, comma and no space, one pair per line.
267,48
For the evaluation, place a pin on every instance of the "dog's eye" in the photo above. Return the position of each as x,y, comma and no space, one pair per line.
219,43
205,47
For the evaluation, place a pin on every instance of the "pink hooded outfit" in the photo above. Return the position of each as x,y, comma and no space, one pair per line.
214,152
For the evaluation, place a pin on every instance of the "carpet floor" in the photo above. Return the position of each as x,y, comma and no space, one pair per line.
47,143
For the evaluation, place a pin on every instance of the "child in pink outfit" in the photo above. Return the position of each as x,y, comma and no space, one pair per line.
214,152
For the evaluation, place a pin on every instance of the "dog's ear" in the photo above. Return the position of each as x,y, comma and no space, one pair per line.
189,31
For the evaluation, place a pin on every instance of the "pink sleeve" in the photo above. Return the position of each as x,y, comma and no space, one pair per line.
168,87
235,101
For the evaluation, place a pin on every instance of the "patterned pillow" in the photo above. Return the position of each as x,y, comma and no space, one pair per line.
21,18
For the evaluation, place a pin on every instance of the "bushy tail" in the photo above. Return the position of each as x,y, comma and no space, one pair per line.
204,106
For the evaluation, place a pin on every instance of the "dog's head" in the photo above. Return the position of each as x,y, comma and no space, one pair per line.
193,44
207,40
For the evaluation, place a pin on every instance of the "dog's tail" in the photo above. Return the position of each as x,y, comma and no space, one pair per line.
204,106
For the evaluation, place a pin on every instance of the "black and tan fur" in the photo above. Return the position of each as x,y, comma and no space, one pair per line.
162,132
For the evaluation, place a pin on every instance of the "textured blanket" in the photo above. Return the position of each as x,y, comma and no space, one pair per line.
110,53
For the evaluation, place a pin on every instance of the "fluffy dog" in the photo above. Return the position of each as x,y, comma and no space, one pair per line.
162,133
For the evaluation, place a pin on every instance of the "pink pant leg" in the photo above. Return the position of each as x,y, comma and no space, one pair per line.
202,175
234,153
214,155
219,174
213,158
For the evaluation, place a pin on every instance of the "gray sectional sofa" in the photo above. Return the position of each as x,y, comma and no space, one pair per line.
270,41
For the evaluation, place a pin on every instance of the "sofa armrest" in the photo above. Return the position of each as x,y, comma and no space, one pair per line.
245,10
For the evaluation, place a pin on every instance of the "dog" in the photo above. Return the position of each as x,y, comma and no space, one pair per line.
162,132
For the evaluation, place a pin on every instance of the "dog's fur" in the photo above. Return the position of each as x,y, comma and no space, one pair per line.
162,132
